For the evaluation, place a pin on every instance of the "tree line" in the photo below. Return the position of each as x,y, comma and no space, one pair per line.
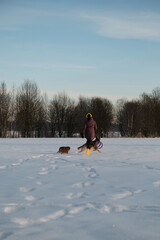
140,117
25,112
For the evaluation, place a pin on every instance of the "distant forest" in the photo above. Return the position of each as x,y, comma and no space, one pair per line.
24,112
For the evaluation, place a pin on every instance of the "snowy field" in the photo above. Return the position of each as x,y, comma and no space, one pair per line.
112,195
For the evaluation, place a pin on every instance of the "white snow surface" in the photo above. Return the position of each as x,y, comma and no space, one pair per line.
112,195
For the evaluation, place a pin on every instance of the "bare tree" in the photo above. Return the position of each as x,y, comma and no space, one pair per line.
12,123
147,112
41,128
70,119
120,118
4,110
52,119
128,117
102,110
150,113
82,108
28,106
58,112
156,100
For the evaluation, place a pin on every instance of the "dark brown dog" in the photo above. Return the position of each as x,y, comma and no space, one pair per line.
84,146
64,149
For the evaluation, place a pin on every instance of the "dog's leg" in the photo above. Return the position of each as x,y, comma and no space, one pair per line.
84,145
98,150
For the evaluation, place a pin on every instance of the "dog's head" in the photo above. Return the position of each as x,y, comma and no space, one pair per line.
98,138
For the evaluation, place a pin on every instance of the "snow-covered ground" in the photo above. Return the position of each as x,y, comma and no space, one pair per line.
112,195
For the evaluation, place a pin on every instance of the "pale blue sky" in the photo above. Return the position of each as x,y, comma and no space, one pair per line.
106,48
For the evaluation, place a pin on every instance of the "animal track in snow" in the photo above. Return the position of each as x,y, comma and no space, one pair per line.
121,195
10,209
29,198
23,222
151,168
52,216
37,156
125,194
76,210
41,183
3,167
54,167
138,191
82,184
44,171
77,195
24,189
107,208
156,184
120,208
93,175
153,209
4,235
91,172
69,211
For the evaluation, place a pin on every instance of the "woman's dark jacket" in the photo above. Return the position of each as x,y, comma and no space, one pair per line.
89,129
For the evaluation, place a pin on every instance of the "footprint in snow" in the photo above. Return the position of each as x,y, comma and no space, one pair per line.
107,208
47,170
29,198
82,184
151,168
23,222
93,175
54,167
16,164
41,183
76,210
126,194
37,156
156,184
43,172
52,161
121,195
44,169
24,189
77,195
91,172
153,209
10,209
3,167
4,235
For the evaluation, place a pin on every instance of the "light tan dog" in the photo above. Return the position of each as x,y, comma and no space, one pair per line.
64,149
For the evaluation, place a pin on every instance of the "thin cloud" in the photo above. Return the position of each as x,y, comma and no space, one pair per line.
118,25
14,18
53,66
123,26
